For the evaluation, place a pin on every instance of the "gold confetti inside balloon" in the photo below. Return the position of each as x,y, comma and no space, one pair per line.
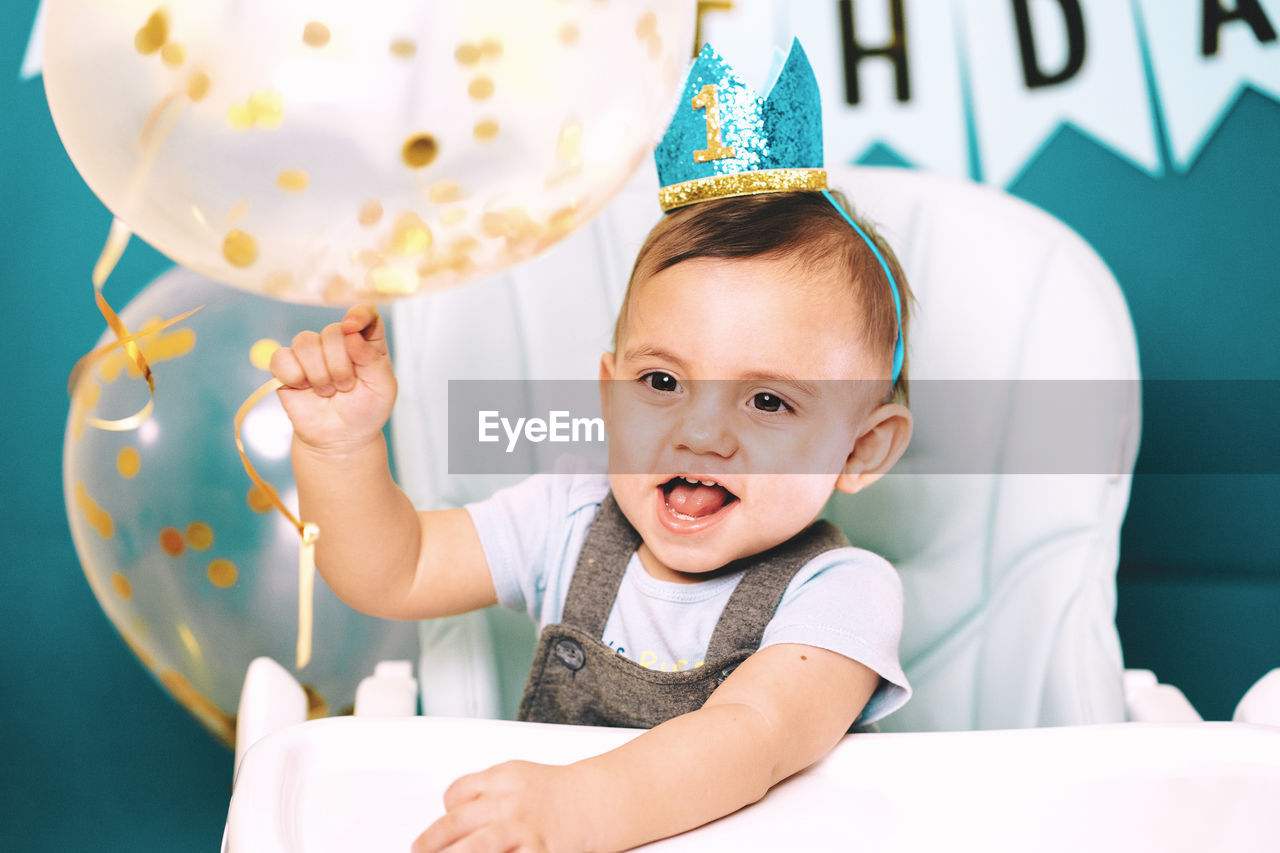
280,146
191,565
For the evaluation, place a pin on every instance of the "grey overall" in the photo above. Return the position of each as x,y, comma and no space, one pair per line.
576,678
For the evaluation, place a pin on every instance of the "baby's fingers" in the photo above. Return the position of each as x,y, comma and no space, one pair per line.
336,360
286,368
456,825
366,320
362,353
308,349
466,788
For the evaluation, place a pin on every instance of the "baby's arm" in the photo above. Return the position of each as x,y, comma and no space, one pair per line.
784,708
375,550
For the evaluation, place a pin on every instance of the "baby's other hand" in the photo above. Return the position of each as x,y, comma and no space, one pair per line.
338,385
518,805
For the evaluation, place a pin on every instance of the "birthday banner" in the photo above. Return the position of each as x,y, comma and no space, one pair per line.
976,88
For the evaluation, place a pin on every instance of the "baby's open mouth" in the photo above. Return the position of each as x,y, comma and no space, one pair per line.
690,499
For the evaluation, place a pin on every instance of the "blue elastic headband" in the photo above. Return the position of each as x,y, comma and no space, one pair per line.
898,353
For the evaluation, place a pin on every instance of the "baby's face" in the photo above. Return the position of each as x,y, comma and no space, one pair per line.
733,407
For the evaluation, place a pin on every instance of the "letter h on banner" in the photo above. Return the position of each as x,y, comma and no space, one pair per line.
895,50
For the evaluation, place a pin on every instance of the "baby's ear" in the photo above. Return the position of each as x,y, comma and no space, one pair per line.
606,382
882,440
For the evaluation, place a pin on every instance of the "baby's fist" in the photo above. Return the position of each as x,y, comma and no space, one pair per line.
337,384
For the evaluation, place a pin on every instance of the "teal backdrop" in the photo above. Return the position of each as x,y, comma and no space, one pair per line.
97,756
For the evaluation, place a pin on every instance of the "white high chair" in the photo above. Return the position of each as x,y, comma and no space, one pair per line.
1008,568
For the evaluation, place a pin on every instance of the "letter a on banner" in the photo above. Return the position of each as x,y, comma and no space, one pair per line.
1196,86
888,73
1035,66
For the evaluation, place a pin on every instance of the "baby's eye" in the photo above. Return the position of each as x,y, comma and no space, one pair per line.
766,402
659,381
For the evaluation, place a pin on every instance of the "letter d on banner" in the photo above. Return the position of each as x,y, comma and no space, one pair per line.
1073,22
1085,70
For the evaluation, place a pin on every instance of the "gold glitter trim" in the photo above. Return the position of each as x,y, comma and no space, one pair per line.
742,183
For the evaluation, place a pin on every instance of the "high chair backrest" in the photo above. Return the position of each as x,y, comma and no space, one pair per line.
1007,548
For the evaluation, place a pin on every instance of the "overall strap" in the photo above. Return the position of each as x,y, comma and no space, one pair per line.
756,597
611,540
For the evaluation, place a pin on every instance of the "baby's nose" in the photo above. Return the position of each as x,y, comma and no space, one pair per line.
705,425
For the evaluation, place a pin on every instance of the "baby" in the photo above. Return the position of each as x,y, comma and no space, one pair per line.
756,369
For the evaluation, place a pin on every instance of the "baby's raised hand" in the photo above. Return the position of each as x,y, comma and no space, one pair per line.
338,385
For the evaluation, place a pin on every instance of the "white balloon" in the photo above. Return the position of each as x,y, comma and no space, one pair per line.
331,151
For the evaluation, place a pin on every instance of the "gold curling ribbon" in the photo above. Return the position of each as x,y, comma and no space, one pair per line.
307,531
88,360
154,132
117,240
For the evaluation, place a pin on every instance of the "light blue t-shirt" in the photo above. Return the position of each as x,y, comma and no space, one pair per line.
848,600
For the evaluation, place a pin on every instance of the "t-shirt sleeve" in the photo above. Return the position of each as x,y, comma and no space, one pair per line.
528,530
848,601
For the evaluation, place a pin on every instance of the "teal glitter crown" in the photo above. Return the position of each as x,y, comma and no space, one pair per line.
725,140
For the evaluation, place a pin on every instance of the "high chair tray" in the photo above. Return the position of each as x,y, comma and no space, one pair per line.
373,784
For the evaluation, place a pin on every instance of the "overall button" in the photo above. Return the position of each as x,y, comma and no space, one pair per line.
570,654
725,673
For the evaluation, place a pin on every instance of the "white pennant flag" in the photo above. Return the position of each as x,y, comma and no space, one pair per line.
928,128
1196,90
1065,61
33,60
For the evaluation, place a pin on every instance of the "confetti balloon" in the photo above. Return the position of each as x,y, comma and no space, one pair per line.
191,564
330,151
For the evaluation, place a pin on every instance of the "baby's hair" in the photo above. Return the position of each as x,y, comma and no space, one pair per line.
802,225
